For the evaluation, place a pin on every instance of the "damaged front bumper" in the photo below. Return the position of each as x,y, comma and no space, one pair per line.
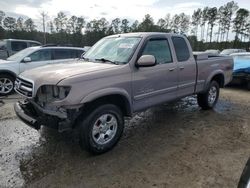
35,116
28,118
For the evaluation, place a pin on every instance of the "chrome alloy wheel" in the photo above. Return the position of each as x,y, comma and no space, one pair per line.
6,85
104,129
212,95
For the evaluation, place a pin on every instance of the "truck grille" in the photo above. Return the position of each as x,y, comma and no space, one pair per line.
24,87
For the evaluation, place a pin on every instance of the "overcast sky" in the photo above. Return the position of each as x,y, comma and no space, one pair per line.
110,9
90,9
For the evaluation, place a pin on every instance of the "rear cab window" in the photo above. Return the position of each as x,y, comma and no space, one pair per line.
181,49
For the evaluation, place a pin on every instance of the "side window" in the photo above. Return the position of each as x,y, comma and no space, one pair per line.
42,55
74,54
34,44
181,49
79,53
160,49
62,54
17,46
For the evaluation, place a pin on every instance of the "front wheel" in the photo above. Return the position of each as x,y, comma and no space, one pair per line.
101,129
209,99
6,84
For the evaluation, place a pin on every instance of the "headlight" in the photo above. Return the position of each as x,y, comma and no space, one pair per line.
51,93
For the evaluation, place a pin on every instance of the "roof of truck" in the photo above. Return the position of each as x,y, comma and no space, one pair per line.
144,34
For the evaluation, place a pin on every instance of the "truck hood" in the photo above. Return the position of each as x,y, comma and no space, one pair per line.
52,74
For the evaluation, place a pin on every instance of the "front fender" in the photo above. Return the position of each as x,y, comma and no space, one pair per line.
105,92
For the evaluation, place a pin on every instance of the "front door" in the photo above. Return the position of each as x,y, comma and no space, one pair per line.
156,84
38,58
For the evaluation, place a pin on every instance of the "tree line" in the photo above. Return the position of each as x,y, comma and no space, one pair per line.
207,27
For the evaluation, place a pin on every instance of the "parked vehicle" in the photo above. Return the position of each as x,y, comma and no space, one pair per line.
241,71
30,58
122,74
213,52
9,47
231,51
245,176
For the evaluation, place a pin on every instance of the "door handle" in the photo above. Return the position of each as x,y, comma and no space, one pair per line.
181,68
171,69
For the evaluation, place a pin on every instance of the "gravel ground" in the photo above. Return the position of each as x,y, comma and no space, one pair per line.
173,145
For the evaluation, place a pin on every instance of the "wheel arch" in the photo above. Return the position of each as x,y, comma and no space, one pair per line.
8,73
110,95
217,76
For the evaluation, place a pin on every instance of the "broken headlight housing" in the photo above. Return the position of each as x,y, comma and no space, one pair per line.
52,93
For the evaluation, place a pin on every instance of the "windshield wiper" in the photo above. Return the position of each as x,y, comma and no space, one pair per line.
107,60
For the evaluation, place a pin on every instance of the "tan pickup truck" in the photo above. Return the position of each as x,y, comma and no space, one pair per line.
119,75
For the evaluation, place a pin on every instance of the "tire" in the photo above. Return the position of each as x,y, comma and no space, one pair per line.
209,99
245,176
101,130
6,84
248,85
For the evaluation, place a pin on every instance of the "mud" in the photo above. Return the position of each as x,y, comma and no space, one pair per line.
173,145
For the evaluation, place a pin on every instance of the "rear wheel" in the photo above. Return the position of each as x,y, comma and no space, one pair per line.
101,129
248,85
209,99
6,84
245,177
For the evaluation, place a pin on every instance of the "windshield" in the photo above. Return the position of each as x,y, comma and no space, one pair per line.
20,55
115,49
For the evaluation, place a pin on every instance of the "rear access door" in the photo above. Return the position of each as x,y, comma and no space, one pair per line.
186,66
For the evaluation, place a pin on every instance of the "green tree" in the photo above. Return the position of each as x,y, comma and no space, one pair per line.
196,21
161,23
9,23
19,24
72,24
230,8
51,27
184,23
212,17
240,23
221,23
2,15
29,25
147,24
115,25
61,22
175,23
134,26
80,24
125,26
203,22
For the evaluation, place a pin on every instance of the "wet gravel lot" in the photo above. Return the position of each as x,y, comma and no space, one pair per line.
173,145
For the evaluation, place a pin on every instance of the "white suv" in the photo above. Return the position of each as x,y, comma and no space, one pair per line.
30,58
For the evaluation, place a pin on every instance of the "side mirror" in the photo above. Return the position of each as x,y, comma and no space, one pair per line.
82,56
26,59
146,61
